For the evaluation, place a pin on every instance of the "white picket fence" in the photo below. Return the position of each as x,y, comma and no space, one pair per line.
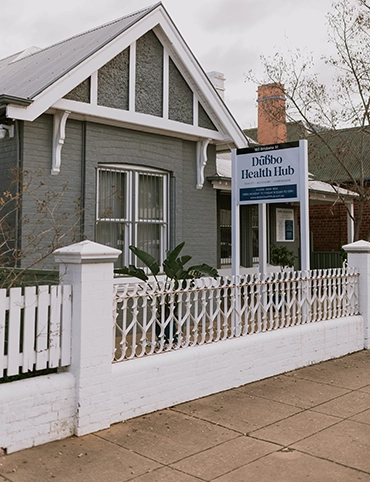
153,318
35,328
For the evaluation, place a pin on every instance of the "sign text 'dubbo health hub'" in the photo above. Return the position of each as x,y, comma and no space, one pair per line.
268,174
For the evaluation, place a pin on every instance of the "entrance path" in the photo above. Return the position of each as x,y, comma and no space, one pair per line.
310,424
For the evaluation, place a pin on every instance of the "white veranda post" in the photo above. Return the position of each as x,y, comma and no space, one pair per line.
235,219
304,206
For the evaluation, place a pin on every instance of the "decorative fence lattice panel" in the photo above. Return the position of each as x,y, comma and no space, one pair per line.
35,328
154,318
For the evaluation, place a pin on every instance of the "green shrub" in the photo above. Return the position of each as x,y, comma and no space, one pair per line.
281,256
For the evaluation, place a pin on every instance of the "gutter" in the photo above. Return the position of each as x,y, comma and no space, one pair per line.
11,99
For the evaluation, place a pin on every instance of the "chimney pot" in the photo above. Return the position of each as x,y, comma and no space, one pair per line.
218,80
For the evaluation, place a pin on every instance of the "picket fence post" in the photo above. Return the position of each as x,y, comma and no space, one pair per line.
88,267
359,258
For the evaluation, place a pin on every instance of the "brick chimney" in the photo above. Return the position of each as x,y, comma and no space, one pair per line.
271,114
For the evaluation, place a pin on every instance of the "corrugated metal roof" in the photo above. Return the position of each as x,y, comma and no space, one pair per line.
340,156
7,60
31,75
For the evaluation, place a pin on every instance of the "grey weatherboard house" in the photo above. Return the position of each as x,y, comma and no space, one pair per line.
122,122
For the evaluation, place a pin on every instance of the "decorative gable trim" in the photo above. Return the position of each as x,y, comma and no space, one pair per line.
201,161
200,83
174,47
137,120
47,98
132,78
59,134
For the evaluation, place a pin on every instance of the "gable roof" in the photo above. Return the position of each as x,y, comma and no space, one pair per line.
38,83
29,76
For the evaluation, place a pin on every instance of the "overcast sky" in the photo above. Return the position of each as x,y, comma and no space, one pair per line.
224,35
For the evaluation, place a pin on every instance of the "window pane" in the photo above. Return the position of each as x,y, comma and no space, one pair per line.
132,214
225,235
150,197
255,246
112,195
111,234
149,239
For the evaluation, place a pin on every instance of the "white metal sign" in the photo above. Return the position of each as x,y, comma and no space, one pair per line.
268,174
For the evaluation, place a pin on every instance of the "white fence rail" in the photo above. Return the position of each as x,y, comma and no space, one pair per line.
152,319
35,328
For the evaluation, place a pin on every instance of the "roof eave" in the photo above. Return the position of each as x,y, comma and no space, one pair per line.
11,99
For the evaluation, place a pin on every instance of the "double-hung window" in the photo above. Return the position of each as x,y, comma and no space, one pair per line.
132,208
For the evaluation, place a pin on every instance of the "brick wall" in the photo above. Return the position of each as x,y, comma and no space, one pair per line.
36,411
96,393
365,225
194,218
156,382
40,410
61,224
328,225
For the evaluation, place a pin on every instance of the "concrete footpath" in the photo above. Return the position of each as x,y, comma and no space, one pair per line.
310,424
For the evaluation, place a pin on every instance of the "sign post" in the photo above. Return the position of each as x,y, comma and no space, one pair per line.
270,174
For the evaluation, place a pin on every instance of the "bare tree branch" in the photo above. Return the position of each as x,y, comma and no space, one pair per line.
328,110
46,225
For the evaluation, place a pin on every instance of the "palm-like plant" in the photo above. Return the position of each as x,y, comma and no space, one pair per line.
173,267
175,271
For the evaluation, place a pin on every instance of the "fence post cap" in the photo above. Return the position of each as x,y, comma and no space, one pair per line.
357,247
86,252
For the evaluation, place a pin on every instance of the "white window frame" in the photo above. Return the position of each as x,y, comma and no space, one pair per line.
132,220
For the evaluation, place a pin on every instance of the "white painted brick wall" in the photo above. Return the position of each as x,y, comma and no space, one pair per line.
88,267
42,409
359,258
36,411
147,384
96,393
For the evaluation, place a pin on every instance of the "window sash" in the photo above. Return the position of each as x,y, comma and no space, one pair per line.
132,208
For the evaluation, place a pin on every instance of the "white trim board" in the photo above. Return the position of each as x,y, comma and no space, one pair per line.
159,21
